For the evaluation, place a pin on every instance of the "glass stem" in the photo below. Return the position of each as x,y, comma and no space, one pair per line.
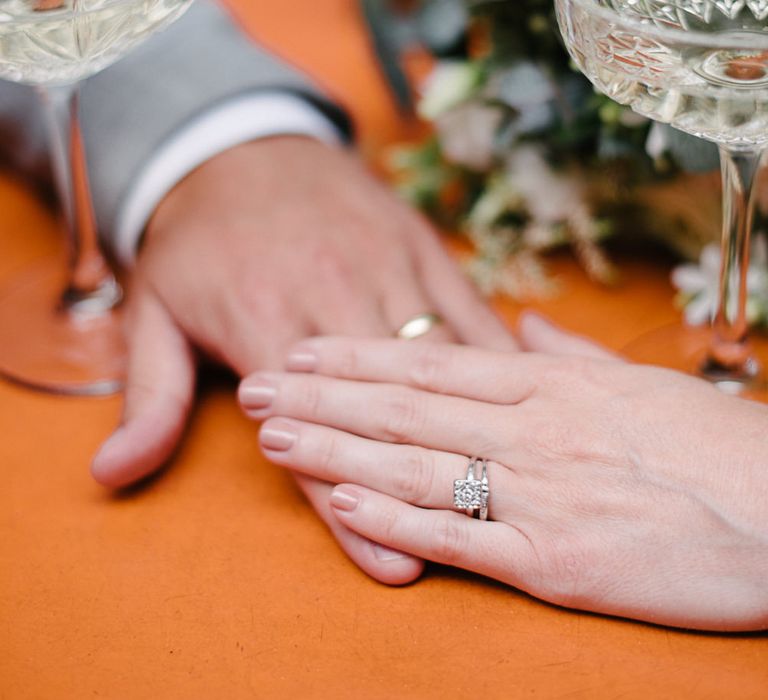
729,355
91,288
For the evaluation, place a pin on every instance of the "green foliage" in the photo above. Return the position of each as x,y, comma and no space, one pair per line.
522,29
590,152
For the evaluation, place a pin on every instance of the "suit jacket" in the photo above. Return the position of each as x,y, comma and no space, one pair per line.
132,107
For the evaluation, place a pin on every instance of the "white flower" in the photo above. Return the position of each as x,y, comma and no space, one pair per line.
550,197
467,134
540,237
497,198
527,89
657,143
449,84
699,287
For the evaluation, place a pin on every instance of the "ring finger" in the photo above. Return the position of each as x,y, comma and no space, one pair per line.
408,308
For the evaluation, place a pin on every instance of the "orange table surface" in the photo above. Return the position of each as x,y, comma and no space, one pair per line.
216,580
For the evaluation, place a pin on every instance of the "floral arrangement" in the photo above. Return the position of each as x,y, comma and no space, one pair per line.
526,157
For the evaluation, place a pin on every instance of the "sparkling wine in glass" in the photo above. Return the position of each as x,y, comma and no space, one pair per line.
61,334
701,66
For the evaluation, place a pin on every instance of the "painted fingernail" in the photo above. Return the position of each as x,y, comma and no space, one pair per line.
344,499
257,393
386,554
278,435
301,359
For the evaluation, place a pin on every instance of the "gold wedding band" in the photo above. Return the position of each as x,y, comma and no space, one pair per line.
418,326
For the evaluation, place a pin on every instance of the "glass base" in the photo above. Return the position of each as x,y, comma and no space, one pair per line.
47,348
685,349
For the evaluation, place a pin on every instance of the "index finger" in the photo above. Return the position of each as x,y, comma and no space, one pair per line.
468,372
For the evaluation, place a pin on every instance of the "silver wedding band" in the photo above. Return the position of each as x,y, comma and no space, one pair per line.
419,326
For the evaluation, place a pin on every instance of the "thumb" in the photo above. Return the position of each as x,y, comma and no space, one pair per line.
159,390
538,334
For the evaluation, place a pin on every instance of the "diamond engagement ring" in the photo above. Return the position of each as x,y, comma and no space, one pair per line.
418,326
471,494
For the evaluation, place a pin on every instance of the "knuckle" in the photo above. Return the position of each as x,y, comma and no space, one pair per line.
326,452
347,360
268,309
566,575
388,264
428,369
551,438
308,397
559,439
402,416
388,525
574,440
332,268
140,393
573,372
450,540
413,479
389,258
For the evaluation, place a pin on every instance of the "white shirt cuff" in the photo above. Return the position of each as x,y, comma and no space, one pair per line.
241,119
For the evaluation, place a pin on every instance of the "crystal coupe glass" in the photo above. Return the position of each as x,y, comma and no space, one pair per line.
61,334
701,66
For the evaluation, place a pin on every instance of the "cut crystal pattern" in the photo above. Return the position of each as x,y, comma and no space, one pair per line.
638,56
678,12
717,92
63,47
759,8
730,8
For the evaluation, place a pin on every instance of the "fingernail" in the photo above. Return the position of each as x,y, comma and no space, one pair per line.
257,393
386,554
302,359
344,499
278,435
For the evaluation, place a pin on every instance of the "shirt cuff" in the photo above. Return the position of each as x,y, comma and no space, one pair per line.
244,118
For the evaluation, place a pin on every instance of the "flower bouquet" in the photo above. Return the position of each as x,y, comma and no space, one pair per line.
526,158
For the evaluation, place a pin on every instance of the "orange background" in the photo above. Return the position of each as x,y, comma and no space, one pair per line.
217,581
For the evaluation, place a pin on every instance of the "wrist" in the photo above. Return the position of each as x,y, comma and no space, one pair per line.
246,118
270,166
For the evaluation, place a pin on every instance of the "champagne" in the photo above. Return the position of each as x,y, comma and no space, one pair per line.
53,42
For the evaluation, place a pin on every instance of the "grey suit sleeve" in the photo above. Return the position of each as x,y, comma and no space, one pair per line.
131,108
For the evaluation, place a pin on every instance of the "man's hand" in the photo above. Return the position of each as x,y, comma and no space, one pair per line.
266,244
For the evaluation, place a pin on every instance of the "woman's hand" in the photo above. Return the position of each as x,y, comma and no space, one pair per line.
623,489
